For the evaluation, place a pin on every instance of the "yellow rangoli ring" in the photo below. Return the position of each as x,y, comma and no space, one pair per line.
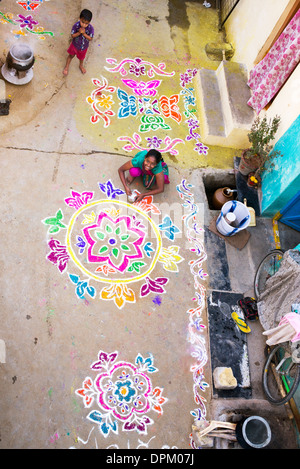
108,280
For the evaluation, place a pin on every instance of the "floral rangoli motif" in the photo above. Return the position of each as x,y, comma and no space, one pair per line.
30,5
100,102
137,67
141,99
109,241
25,23
196,327
122,394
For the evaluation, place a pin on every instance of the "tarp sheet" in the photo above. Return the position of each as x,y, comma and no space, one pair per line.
282,291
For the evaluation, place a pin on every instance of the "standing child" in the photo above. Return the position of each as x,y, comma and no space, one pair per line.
82,33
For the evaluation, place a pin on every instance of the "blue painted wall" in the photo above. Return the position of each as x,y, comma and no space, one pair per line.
283,182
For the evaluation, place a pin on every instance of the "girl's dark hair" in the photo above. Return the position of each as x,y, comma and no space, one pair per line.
86,14
156,154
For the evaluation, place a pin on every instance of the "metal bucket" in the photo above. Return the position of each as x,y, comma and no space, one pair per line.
21,56
253,432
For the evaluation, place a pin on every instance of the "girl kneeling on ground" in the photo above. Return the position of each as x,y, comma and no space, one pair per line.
151,167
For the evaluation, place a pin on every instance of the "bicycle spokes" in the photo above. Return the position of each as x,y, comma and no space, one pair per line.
281,375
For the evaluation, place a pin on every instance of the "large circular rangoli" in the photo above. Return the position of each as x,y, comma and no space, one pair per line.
114,236
112,242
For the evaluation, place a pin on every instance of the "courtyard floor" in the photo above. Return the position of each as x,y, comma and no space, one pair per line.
108,348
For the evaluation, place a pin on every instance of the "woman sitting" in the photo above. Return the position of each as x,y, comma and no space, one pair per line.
151,167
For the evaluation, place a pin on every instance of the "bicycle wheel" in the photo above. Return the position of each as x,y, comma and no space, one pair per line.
268,267
281,376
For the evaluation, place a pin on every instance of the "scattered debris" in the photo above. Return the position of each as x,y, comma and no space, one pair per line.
204,432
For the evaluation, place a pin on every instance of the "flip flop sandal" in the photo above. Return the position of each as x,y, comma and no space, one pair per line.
240,323
249,307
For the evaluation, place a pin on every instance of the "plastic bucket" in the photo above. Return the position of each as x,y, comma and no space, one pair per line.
253,432
241,213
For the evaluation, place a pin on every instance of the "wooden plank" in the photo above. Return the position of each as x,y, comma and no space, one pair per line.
281,24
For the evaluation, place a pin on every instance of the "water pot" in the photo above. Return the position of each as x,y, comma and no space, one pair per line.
19,63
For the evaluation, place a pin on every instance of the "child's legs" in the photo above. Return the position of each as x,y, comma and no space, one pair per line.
66,69
81,56
69,58
72,52
83,70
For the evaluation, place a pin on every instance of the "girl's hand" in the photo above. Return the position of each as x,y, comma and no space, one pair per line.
128,190
139,197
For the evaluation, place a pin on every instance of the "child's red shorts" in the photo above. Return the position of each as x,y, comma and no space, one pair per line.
80,54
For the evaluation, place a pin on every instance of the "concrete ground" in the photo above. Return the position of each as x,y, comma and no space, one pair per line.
54,327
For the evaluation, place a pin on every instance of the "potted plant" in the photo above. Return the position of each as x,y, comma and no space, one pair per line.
259,157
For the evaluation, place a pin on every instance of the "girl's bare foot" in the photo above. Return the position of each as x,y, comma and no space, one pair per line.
65,71
83,70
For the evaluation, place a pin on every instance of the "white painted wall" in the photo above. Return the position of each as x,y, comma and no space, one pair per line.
287,103
247,29
249,26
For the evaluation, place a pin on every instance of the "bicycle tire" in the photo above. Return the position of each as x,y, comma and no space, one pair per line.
267,372
261,277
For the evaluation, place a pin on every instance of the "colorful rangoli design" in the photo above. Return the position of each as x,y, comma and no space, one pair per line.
29,5
112,244
26,24
196,327
122,393
139,97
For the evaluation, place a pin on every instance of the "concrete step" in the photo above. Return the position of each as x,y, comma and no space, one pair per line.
224,115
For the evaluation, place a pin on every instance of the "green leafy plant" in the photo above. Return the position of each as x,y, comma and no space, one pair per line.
260,136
